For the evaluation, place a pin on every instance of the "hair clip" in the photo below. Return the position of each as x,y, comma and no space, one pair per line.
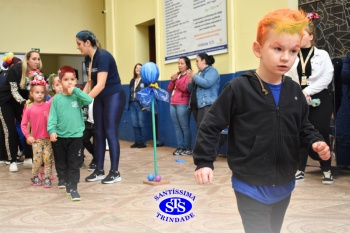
313,15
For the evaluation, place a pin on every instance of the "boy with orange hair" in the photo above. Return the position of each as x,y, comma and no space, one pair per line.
268,123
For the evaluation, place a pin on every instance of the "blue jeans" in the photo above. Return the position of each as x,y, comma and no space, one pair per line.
180,116
138,119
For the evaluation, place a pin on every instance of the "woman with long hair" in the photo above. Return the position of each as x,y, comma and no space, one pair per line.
13,95
104,85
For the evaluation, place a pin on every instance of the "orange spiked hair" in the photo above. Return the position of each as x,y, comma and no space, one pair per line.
281,21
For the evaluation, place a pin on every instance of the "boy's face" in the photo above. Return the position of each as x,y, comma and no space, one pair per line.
278,53
68,80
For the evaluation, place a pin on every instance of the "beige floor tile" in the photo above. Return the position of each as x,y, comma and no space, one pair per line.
130,205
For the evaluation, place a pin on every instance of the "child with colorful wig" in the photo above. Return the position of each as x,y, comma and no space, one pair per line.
267,115
35,117
66,126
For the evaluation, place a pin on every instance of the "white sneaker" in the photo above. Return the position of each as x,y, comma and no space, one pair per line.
28,162
13,167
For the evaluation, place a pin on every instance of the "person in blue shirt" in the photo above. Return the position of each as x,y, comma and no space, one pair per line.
267,114
104,85
203,85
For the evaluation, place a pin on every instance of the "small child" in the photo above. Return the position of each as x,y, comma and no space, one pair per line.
89,133
35,117
268,123
55,88
66,126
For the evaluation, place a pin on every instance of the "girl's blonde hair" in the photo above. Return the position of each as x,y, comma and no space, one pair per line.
23,82
310,28
50,81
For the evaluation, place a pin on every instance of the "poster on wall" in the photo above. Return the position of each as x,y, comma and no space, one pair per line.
193,27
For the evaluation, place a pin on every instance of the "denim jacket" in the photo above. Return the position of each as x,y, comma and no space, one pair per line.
208,82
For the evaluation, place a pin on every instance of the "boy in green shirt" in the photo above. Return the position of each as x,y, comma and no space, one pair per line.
66,126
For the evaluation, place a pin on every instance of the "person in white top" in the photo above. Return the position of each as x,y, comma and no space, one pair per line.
313,70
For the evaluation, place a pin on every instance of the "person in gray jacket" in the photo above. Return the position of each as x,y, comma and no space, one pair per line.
204,86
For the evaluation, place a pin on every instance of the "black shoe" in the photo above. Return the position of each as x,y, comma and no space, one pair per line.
178,151
135,145
75,195
142,145
67,185
92,166
186,151
96,175
61,184
112,177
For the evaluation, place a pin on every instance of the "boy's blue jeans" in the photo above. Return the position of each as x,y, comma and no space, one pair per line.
180,116
138,119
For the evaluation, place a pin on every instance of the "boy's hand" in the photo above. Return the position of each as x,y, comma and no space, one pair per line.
53,137
204,175
30,140
70,90
322,149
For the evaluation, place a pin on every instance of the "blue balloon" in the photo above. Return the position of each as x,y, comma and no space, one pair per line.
149,73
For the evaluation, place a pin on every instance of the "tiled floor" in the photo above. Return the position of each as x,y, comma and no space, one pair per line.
130,206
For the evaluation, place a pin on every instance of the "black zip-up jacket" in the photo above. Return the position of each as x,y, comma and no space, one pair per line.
263,139
11,90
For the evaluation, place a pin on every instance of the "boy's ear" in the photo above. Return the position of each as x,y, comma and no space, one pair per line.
257,49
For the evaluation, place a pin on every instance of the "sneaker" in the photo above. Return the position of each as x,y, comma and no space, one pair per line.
3,161
177,151
61,184
142,145
96,175
327,177
112,177
36,181
47,183
186,151
75,195
135,145
299,176
28,162
68,191
17,162
13,167
92,166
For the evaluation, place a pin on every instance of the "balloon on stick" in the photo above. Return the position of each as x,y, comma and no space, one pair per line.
150,74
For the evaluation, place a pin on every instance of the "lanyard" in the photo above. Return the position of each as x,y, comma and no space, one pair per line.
303,63
90,66
135,85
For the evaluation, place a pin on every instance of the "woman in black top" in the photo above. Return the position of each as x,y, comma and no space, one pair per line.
13,95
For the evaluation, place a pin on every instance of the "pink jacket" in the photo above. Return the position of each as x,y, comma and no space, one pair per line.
178,91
